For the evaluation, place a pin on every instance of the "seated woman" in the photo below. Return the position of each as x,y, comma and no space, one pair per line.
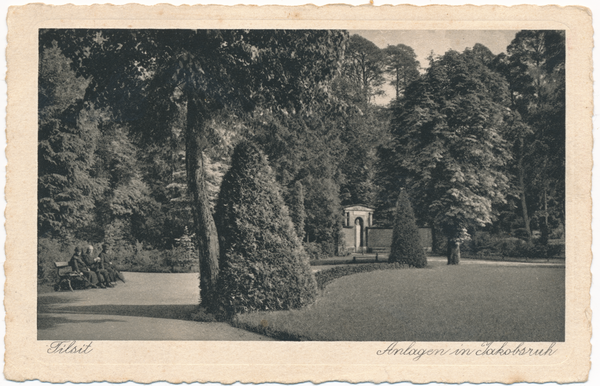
79,266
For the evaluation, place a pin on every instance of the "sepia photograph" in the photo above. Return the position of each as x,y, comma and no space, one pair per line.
301,185
298,194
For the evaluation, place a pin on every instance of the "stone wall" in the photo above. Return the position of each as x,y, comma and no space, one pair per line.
426,238
348,240
379,239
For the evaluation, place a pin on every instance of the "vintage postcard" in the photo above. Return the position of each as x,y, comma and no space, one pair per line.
289,194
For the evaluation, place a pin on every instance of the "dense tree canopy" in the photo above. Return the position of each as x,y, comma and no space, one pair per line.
535,68
365,66
449,137
402,66
67,135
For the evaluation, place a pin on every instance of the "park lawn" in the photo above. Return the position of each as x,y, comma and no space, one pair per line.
440,303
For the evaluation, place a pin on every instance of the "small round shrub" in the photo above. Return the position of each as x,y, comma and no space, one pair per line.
263,264
406,243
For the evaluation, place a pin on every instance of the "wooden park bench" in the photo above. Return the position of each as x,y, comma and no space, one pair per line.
67,278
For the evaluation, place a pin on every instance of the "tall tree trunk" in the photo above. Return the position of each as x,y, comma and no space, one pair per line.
521,172
453,252
206,231
544,226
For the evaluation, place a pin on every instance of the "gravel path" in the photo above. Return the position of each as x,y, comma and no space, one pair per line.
149,306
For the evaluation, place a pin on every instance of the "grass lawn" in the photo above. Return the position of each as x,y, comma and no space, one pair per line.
468,302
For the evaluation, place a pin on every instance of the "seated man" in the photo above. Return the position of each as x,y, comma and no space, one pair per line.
79,266
102,274
113,272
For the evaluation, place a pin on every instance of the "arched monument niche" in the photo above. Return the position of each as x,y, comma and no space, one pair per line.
359,228
360,235
357,219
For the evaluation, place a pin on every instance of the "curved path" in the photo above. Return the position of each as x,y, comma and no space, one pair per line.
441,260
149,306
530,263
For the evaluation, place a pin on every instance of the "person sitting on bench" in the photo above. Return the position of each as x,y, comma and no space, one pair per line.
79,266
113,272
94,265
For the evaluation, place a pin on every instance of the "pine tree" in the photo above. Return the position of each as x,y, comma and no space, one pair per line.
402,66
263,264
365,63
406,245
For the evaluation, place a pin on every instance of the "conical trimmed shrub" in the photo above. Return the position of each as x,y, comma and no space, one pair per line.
263,264
406,243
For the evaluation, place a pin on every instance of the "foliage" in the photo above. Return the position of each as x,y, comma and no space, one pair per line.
306,148
364,66
168,89
406,245
297,212
67,193
143,258
48,252
292,70
485,245
535,68
182,257
324,223
402,65
136,258
67,137
263,264
137,127
127,206
314,251
59,86
450,146
360,184
146,260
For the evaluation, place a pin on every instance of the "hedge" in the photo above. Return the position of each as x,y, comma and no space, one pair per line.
326,276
